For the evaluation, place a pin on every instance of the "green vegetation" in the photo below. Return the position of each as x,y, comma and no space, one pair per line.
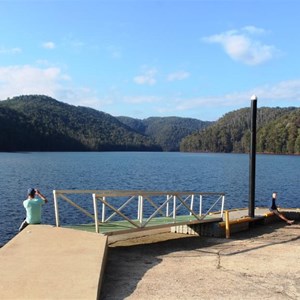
166,132
40,123
278,131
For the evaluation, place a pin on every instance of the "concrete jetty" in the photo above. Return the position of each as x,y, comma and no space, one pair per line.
46,262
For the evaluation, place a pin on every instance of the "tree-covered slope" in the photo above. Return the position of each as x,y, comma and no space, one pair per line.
40,123
166,131
281,135
278,131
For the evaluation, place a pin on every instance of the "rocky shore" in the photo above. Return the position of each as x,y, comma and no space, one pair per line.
263,262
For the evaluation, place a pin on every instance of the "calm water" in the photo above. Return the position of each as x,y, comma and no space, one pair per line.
207,172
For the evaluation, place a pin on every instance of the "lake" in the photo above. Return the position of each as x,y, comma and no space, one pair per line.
157,171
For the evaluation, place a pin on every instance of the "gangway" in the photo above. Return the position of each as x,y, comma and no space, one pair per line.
130,211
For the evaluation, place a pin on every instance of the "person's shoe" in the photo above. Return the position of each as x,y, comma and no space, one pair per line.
290,222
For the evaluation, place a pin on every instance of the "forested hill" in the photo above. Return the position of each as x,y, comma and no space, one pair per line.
166,131
40,123
278,131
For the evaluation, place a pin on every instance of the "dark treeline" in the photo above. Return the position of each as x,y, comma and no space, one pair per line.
278,131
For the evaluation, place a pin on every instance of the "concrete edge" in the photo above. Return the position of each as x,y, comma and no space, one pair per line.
102,268
62,254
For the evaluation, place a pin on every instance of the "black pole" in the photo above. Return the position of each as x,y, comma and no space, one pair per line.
252,161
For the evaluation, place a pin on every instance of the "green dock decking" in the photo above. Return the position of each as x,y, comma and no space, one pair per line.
121,227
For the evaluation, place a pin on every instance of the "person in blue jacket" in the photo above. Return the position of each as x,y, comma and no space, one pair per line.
273,208
33,206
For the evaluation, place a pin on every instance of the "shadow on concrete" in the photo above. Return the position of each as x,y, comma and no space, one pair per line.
263,231
121,279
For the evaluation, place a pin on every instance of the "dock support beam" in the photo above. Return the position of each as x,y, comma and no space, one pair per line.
252,161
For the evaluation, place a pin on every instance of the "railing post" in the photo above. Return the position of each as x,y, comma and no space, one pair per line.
96,213
141,202
192,204
138,208
56,208
200,205
174,207
222,207
103,210
167,206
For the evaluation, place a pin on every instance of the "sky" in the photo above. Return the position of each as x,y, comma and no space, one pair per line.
143,58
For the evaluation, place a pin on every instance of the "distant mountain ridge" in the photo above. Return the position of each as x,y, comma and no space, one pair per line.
41,123
165,131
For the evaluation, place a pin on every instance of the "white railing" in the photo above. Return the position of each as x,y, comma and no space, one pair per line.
146,205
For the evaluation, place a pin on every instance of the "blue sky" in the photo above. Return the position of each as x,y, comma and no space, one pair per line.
143,58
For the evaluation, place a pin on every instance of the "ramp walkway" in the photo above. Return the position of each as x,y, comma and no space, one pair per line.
46,262
131,211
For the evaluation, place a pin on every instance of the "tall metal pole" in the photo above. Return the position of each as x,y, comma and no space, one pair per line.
252,160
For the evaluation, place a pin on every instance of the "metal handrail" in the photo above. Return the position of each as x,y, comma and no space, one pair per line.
173,199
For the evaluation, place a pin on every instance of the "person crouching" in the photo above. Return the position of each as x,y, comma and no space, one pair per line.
33,206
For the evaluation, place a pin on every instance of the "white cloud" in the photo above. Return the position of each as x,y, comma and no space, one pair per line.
254,30
147,78
49,45
20,80
180,75
241,46
82,96
49,81
284,93
52,81
14,50
288,90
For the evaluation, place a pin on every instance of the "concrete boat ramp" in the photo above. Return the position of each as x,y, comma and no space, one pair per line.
46,262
